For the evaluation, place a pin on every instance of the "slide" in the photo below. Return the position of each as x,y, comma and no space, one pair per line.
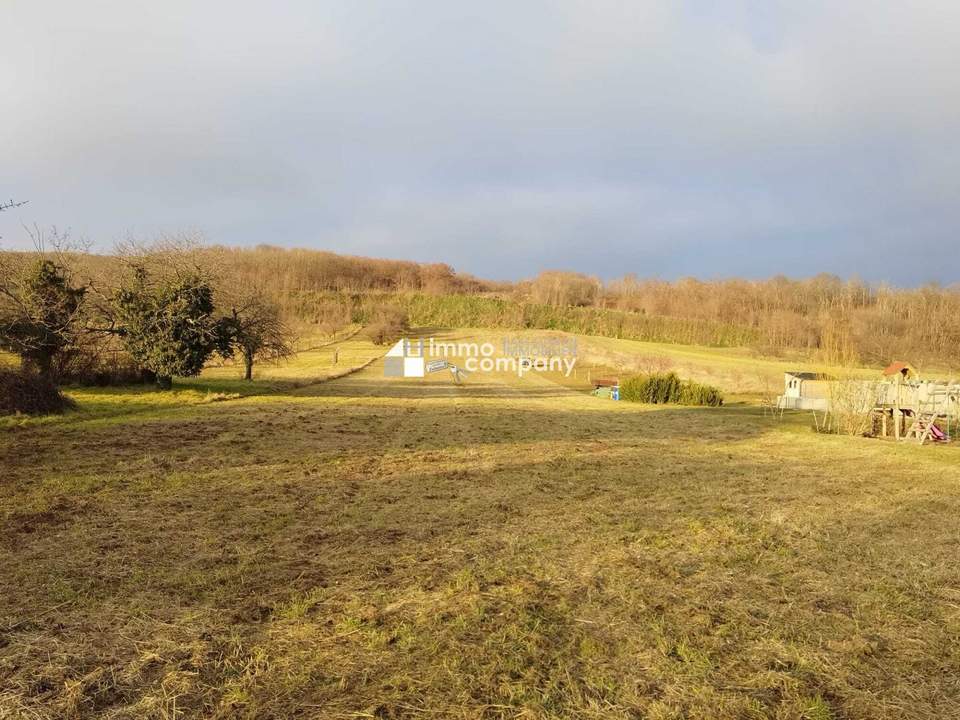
936,433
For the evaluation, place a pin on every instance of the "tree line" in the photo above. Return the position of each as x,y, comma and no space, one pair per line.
837,320
834,319
826,317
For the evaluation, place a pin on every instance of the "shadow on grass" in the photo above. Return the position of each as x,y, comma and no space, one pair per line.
440,387
287,433
401,555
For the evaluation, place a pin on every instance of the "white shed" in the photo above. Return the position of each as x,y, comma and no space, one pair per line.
805,391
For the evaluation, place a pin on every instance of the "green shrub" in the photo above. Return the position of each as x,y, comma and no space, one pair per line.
168,325
668,388
693,393
655,388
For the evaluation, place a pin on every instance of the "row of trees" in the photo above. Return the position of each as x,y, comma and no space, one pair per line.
163,306
835,319
292,271
840,320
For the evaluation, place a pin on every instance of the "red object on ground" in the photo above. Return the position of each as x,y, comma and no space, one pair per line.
905,369
606,382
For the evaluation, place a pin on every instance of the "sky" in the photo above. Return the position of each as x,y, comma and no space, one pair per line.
664,138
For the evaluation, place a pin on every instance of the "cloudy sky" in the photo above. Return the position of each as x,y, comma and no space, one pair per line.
664,138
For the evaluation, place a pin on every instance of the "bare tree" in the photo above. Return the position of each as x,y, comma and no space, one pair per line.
561,289
257,331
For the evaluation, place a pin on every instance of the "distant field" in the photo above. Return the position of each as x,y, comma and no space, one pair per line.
734,370
319,358
367,547
738,371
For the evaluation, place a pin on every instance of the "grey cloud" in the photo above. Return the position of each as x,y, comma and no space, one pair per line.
665,138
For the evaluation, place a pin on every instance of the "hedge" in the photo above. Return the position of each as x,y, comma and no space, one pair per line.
668,388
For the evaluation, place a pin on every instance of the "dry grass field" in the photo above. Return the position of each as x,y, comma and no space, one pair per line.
369,547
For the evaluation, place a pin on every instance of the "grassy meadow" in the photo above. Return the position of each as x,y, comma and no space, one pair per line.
325,542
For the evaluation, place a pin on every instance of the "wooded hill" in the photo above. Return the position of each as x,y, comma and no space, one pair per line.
833,319
823,317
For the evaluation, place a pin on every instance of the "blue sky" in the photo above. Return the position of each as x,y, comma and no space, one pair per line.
712,139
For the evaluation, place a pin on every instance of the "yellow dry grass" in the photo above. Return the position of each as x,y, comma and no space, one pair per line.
377,548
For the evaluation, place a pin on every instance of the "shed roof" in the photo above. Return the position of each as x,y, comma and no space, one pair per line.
903,368
606,382
804,375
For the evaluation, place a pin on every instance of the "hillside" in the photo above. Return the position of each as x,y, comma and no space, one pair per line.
824,319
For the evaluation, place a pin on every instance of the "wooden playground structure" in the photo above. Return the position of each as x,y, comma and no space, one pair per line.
917,409
900,405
